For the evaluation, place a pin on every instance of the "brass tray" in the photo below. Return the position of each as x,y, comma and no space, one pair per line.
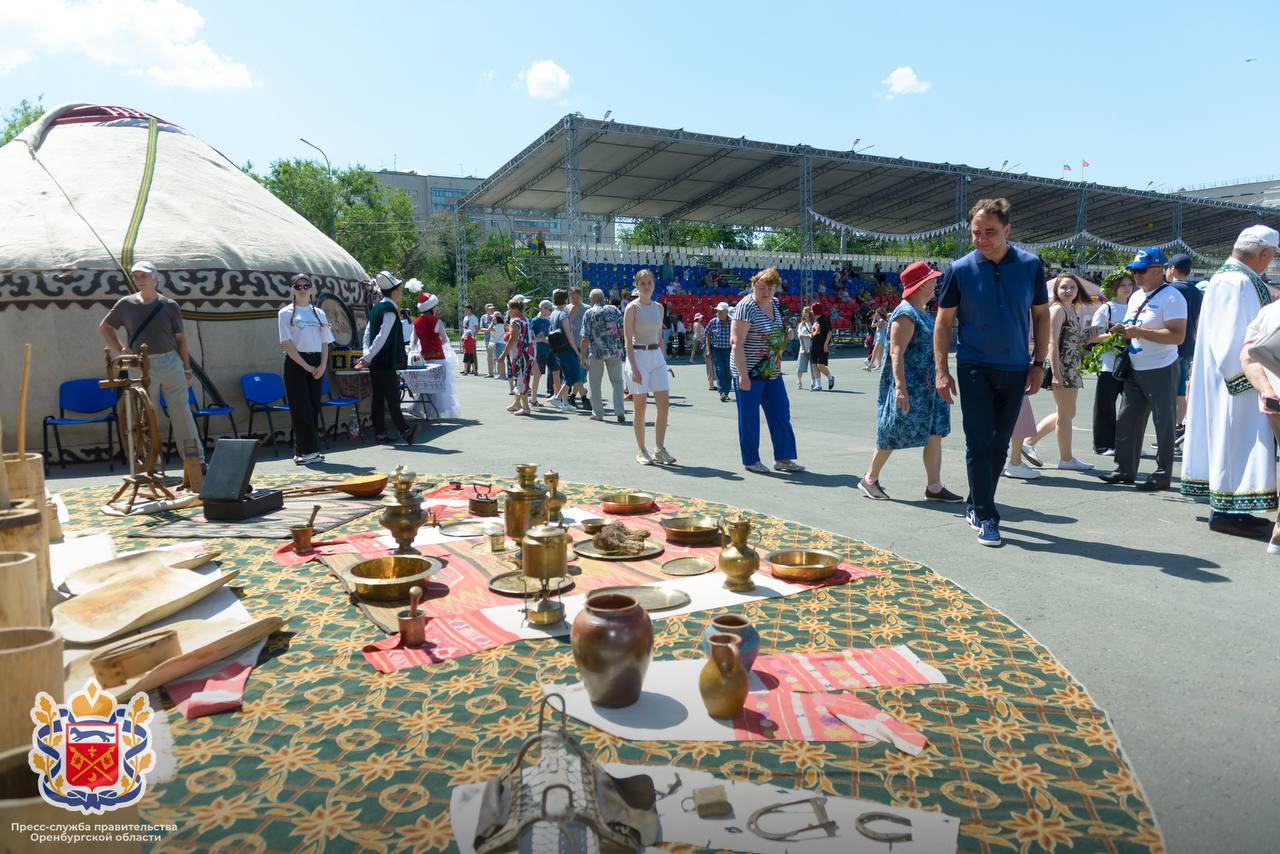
520,585
586,548
691,530
627,503
650,597
468,528
802,564
687,566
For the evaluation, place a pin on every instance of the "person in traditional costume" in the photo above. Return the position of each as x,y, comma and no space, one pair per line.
1229,451
430,345
382,356
1260,361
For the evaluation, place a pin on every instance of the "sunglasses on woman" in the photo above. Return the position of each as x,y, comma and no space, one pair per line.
302,286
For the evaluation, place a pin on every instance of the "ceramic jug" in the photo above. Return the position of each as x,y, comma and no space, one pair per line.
612,642
723,683
738,561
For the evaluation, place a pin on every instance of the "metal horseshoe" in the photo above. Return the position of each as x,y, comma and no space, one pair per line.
878,835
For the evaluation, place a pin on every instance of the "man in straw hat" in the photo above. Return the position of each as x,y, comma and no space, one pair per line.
383,355
1229,453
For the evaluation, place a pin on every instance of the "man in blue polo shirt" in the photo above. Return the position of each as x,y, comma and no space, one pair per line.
995,293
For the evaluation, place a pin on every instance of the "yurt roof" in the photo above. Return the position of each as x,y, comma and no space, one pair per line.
88,185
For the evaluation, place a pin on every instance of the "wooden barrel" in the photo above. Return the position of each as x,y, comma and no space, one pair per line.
26,476
23,529
31,661
20,601
20,803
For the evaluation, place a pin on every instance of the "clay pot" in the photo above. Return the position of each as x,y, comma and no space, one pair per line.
741,628
612,640
723,683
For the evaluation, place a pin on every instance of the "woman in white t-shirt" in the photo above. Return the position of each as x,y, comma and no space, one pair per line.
305,337
1117,287
804,331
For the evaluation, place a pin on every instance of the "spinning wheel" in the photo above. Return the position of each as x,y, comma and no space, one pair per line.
139,435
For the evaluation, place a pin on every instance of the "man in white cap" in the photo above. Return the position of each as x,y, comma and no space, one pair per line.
148,317
1229,451
718,335
383,355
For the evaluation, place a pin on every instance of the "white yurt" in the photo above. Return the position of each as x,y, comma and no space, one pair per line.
90,189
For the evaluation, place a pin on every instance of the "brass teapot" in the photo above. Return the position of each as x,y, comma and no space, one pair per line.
544,552
738,561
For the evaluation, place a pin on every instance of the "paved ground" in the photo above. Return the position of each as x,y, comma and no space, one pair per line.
1171,628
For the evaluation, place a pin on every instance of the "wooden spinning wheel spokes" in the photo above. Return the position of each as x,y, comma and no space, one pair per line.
139,433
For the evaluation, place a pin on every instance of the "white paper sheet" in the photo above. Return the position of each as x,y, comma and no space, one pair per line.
931,832
705,592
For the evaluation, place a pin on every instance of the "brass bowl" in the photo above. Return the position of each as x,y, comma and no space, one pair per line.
388,578
593,526
802,564
626,503
692,530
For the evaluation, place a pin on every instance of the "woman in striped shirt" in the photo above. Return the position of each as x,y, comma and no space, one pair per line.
758,339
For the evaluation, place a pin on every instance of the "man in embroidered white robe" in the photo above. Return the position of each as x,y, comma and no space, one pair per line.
1229,450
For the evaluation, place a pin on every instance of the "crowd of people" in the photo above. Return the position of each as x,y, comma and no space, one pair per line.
1199,360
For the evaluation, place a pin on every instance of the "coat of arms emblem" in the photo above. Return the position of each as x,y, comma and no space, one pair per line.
92,754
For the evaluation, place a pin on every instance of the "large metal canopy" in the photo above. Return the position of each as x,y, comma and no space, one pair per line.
634,171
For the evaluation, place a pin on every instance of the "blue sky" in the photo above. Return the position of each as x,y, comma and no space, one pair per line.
1147,92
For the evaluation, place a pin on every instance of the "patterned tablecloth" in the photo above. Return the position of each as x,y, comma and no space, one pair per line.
425,379
330,755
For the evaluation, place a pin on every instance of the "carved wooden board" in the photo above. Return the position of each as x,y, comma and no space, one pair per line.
145,562
132,602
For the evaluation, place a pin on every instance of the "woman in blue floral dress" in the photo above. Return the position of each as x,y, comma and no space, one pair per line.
910,412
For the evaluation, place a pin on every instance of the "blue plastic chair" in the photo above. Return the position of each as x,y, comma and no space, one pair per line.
263,392
327,400
205,413
83,398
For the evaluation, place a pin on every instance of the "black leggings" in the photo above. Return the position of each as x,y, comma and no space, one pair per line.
302,391
1105,398
386,396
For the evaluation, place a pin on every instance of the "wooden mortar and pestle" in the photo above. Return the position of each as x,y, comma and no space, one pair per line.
302,533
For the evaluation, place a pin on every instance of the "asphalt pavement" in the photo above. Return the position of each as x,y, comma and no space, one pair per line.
1170,627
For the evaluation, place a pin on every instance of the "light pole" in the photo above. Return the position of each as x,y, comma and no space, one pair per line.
333,201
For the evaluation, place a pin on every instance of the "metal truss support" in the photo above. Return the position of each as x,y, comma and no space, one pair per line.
460,247
1177,221
672,182
806,228
572,223
1082,219
962,208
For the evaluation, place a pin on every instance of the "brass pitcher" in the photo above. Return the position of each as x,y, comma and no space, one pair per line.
723,683
402,512
525,502
555,498
738,561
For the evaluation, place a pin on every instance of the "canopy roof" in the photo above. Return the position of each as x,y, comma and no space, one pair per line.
635,171
89,184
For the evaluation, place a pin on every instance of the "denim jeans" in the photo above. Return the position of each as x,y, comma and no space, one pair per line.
989,402
720,358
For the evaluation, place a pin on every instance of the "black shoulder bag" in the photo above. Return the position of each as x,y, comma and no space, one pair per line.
1123,369
133,336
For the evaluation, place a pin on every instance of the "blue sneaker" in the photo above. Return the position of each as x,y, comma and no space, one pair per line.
989,535
972,520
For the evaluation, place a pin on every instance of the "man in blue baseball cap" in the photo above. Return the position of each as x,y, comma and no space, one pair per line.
1154,326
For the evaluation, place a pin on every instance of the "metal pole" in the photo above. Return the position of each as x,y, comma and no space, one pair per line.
460,261
333,198
806,228
572,198
1082,208
962,208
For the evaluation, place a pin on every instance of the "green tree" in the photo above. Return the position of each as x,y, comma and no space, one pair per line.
788,240
650,232
19,116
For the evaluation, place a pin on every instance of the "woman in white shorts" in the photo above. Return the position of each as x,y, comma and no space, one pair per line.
647,374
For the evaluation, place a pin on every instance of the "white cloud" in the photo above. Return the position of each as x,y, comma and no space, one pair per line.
487,75
545,80
903,81
156,39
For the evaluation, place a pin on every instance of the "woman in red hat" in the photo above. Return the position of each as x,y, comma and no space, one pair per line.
910,412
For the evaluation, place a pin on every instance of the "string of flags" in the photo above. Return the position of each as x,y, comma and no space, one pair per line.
962,227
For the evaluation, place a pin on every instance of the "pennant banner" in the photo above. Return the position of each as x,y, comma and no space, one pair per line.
1178,243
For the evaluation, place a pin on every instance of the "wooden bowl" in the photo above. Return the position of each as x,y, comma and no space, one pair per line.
691,530
388,578
802,564
626,503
